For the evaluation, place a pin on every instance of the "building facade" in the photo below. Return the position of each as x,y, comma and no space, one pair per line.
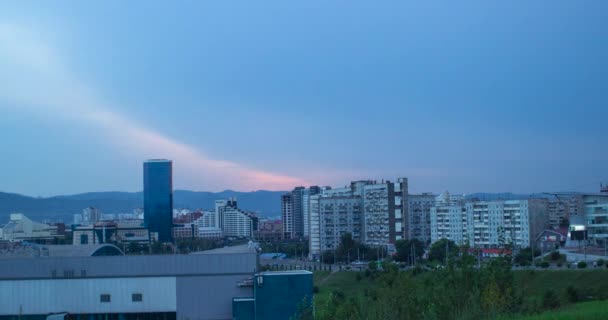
419,217
374,213
287,215
449,219
596,218
495,223
158,198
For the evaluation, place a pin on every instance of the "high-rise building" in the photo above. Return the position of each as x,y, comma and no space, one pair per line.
339,214
372,212
287,215
419,217
488,224
297,196
449,219
495,223
158,198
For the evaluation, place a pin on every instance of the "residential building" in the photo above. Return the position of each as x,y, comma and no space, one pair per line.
269,230
287,215
235,222
314,234
338,215
596,218
372,212
158,198
449,219
419,216
493,224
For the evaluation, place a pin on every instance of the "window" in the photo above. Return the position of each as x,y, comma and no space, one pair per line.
137,297
105,298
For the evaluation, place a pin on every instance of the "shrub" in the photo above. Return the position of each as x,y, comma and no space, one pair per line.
582,265
572,294
537,264
544,264
550,300
315,289
559,264
367,273
600,262
359,277
555,255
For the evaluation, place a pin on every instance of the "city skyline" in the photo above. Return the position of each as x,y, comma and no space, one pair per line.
474,97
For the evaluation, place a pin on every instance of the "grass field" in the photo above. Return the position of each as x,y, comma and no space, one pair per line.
592,284
593,310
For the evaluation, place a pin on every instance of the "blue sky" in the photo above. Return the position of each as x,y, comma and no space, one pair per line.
463,96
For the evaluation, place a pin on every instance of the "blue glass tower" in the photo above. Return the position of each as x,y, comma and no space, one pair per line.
158,198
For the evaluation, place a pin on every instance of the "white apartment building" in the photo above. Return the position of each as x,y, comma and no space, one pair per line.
449,219
237,223
314,234
488,224
339,215
518,222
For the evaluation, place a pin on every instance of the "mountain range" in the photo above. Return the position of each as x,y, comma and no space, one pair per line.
62,208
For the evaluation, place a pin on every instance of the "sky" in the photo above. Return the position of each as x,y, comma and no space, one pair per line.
465,96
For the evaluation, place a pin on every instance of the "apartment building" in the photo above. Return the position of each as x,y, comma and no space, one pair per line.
374,213
419,217
449,219
495,223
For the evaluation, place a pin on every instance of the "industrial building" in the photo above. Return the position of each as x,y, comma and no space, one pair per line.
195,286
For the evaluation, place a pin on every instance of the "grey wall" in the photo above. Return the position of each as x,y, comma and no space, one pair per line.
205,297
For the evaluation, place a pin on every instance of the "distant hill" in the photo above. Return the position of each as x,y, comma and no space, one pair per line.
62,208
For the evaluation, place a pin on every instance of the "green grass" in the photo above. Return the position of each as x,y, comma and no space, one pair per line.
345,282
592,284
594,310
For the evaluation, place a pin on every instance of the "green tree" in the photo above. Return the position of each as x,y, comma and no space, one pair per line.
405,248
438,250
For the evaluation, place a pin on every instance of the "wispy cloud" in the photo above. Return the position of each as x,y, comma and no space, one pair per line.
36,78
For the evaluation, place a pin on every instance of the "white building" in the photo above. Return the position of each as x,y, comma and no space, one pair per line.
449,219
238,223
21,228
488,224
517,222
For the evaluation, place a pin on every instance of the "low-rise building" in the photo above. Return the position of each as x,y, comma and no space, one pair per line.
21,228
